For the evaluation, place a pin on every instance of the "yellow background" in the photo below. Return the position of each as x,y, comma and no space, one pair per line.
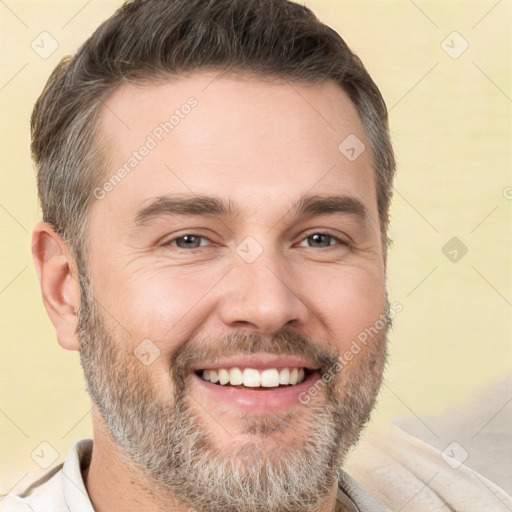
450,121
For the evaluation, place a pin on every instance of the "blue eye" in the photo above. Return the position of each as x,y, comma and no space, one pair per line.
320,240
188,241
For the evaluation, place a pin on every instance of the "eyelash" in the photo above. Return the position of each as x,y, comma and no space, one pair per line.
337,239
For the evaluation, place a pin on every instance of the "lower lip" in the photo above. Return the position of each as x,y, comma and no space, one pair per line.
257,399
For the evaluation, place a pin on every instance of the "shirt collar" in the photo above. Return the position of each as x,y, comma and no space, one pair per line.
73,486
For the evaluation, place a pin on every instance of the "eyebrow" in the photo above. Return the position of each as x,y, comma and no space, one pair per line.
214,206
183,205
318,205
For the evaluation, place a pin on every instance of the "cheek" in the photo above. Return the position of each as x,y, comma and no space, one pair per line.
160,312
349,303
163,306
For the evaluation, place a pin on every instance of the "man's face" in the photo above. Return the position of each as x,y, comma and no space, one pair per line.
286,276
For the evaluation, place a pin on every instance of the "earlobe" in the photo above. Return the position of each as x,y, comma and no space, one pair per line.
56,272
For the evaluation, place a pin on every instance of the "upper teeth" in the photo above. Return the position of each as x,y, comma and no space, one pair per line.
268,378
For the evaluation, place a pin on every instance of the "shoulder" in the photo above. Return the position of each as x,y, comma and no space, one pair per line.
54,491
44,495
458,460
400,469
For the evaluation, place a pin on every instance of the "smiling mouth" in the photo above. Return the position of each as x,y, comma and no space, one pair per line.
268,378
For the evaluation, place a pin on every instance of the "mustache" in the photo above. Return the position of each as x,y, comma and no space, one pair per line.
283,342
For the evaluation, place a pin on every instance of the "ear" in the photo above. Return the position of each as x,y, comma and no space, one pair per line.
58,278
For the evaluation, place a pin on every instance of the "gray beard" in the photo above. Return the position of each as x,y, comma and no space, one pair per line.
170,444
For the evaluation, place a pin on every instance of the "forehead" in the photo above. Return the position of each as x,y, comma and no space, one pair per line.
233,136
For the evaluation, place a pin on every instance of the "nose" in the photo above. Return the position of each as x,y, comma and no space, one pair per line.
263,295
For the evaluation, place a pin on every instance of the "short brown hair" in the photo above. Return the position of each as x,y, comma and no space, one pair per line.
150,39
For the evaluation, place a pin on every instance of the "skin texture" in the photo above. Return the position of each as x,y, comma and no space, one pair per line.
261,146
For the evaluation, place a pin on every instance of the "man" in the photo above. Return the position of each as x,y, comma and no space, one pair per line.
215,179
